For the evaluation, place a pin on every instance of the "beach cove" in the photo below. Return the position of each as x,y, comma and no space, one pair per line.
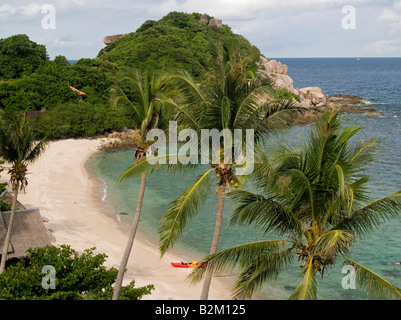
70,198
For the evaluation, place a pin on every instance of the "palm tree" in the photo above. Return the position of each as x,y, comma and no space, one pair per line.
235,97
143,94
313,196
18,147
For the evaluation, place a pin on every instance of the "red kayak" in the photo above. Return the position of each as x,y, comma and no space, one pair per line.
185,265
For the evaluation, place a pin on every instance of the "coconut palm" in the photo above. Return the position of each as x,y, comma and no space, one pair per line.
313,196
235,97
144,95
18,147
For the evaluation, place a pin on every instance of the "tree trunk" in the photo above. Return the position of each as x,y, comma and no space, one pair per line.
130,242
9,230
215,242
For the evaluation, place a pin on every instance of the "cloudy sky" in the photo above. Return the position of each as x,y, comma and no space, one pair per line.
279,28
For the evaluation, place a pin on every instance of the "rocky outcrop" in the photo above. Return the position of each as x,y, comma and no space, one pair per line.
277,72
216,22
345,104
110,39
312,99
204,19
212,22
311,96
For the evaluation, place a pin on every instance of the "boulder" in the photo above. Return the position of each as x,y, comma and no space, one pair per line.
110,39
277,72
216,22
313,94
283,81
204,19
273,66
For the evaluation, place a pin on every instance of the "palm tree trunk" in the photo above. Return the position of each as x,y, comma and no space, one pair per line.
9,230
130,242
215,242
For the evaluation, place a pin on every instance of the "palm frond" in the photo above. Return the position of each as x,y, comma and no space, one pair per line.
137,169
332,243
158,163
373,284
365,152
181,210
370,216
264,259
267,214
262,269
307,289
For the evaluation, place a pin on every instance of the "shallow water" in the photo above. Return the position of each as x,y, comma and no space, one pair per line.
376,79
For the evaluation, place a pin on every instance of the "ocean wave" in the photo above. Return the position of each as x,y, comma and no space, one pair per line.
105,192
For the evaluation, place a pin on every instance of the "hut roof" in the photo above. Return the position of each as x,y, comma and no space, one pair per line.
8,197
28,231
78,91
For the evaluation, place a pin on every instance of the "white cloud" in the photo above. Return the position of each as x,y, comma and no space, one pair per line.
31,10
66,42
277,27
383,47
392,16
80,2
6,10
230,9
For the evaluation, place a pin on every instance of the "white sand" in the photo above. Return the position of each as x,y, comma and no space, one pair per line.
71,200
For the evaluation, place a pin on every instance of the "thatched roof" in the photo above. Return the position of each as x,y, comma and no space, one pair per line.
28,231
8,197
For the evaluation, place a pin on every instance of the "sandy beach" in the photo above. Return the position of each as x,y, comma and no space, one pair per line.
71,199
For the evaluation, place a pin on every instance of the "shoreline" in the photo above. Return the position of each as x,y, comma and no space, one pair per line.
61,186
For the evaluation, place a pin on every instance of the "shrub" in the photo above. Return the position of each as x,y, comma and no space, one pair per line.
78,277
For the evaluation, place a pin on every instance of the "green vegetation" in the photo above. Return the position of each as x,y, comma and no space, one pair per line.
4,205
312,195
234,98
80,120
177,41
19,147
77,277
145,96
20,56
30,81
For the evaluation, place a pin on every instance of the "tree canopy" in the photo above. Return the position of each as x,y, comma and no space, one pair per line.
177,41
29,80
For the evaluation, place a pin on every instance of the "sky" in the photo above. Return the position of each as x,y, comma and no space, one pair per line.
279,28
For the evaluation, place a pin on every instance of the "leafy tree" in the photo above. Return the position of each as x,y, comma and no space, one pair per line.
19,56
61,61
313,195
143,94
19,147
78,276
234,98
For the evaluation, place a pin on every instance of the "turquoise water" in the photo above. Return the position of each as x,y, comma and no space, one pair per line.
373,251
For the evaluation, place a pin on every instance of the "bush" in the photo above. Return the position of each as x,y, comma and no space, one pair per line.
78,277
80,119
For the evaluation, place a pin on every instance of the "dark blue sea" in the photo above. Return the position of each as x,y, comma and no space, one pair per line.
379,81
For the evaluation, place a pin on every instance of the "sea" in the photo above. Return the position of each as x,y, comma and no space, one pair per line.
375,79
